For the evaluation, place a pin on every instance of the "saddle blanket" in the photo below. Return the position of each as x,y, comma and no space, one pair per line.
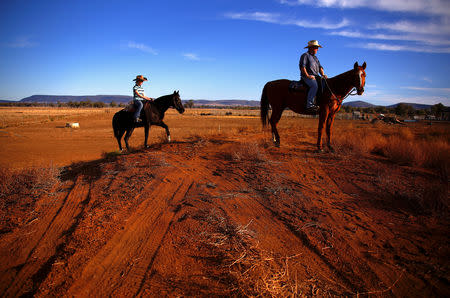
295,85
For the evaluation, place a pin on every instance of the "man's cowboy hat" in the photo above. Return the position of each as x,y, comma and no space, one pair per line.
313,43
140,78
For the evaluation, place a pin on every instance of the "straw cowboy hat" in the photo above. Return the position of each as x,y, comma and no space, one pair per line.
140,78
313,43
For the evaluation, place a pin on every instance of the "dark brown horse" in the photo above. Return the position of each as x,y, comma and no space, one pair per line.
278,95
152,114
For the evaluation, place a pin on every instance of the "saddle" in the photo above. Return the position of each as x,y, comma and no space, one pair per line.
130,108
297,86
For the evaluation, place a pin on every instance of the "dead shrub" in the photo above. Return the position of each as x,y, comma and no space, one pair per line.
256,272
248,152
31,181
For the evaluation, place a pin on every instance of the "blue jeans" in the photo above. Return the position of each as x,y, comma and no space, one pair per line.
138,104
312,91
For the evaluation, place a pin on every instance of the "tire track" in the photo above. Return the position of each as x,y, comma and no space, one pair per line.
121,265
39,258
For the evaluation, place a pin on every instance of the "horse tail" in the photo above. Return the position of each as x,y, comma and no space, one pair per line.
115,124
264,108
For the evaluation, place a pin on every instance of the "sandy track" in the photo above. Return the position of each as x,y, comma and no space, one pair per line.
214,217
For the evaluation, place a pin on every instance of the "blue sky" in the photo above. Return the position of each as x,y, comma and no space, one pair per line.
222,49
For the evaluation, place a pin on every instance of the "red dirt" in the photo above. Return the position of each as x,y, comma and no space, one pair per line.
209,216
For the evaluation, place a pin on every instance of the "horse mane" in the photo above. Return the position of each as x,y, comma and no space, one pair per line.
344,74
162,98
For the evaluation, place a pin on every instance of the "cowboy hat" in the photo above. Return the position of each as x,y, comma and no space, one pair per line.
313,43
140,78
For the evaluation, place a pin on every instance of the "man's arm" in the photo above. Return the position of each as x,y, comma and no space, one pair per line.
322,73
305,73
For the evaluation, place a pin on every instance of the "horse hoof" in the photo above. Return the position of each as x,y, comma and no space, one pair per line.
277,144
331,149
319,151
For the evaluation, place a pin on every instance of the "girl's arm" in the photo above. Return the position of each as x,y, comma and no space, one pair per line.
142,96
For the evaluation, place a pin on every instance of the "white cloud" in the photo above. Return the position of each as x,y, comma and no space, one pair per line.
141,47
435,28
427,89
425,39
276,18
191,56
434,7
407,48
255,16
21,42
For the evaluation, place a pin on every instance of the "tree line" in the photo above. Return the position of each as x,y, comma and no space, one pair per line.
402,109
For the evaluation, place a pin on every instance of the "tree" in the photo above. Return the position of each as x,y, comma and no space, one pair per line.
437,110
403,109
189,104
113,104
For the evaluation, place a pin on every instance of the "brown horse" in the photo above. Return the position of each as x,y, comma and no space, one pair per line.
278,95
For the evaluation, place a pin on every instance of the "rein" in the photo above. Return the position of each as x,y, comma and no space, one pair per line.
347,95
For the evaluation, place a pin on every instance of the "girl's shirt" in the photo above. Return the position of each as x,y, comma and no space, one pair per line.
140,90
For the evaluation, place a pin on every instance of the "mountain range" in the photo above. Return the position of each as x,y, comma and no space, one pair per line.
197,102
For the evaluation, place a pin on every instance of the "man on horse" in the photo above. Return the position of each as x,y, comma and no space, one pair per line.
310,68
138,96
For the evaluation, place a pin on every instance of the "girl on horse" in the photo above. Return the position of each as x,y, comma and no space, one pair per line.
138,96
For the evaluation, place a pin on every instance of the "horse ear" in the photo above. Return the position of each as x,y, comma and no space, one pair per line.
356,65
364,65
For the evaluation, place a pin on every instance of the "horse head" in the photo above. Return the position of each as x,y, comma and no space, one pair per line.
360,77
176,102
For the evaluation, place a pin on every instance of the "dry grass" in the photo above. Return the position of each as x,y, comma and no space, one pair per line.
256,272
401,145
19,191
19,116
247,152
31,181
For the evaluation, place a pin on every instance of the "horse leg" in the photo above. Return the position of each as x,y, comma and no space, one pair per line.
163,125
322,117
330,121
127,136
146,130
119,138
274,118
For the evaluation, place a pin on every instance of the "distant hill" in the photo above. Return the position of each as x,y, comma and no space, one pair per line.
197,102
417,106
226,102
125,99
67,98
358,104
363,104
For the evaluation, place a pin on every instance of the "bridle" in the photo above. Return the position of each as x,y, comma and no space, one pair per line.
354,91
350,93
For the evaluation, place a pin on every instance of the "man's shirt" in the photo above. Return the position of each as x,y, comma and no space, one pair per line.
311,63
